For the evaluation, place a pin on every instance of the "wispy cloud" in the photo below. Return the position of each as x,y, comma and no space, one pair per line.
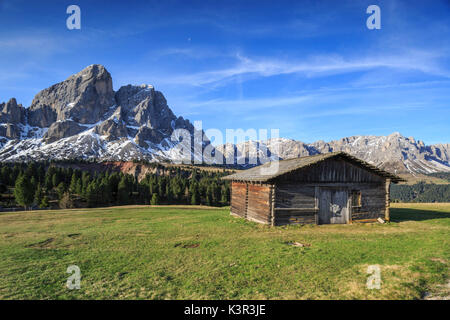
247,104
328,102
30,44
324,65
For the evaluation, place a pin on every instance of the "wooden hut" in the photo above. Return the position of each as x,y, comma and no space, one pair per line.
326,188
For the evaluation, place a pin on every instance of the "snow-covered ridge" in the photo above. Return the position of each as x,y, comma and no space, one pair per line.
394,152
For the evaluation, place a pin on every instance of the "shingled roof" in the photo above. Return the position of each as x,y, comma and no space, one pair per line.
265,172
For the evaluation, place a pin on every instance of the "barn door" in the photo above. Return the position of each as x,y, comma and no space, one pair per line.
333,205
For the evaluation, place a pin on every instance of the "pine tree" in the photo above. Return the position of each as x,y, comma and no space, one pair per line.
33,182
208,200
23,191
38,195
79,187
60,190
114,180
161,187
48,183
85,180
187,195
41,174
44,203
169,196
73,183
155,199
177,189
106,194
224,195
91,194
55,180
5,173
122,191
194,198
31,170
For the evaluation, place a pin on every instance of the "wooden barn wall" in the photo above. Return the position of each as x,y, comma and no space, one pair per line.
373,202
297,190
332,170
294,195
259,203
238,198
296,199
300,196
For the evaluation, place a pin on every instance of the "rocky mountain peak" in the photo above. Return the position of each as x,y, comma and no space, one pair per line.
83,97
11,112
82,117
130,95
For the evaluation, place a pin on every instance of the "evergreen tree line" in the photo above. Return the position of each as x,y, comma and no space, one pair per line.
47,185
421,192
441,175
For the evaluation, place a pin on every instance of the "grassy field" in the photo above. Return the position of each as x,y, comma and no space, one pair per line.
204,253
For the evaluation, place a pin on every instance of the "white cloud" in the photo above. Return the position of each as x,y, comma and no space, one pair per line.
325,102
248,68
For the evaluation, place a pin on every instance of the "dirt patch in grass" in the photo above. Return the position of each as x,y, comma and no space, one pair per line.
193,245
9,235
298,244
439,292
74,235
439,260
41,244
187,245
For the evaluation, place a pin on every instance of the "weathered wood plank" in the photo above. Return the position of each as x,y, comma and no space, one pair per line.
332,170
297,209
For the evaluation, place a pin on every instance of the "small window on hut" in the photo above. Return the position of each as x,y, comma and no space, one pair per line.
356,198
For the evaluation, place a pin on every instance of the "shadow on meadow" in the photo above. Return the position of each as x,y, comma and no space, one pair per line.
408,214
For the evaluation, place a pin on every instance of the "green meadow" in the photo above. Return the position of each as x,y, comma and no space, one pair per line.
175,252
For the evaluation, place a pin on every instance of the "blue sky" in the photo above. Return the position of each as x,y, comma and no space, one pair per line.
309,68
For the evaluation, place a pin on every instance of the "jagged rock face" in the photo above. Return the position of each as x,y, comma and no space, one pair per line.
10,112
146,135
394,152
84,98
62,129
10,131
82,117
130,96
181,123
144,106
41,117
154,113
257,152
113,130
440,151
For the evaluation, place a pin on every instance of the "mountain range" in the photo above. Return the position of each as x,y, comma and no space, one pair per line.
82,117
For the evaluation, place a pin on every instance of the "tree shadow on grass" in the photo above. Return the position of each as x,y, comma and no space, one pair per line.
407,214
